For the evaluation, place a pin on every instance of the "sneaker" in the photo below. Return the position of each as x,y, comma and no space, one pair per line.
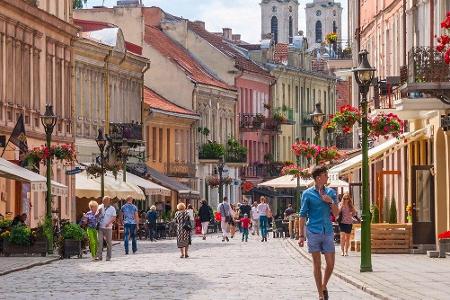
126,253
246,240
108,259
223,240
227,239
204,238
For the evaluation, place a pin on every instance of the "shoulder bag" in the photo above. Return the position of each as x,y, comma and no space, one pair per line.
187,223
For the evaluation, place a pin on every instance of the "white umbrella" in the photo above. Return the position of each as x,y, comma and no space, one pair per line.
286,181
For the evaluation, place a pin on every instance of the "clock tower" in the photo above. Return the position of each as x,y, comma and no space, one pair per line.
280,19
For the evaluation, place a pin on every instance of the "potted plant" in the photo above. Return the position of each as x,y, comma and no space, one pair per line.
235,153
345,118
258,120
375,214
268,157
213,181
331,37
409,217
296,171
444,243
247,186
72,235
328,154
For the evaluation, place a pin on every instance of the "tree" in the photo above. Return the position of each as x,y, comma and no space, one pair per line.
375,214
393,212
77,4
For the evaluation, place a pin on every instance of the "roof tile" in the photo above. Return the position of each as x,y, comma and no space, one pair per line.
156,101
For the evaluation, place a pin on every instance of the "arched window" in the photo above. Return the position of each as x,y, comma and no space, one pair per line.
290,30
334,27
274,28
318,32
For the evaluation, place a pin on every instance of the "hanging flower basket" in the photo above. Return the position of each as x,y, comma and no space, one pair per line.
345,118
64,153
330,126
305,149
331,37
247,186
227,180
386,125
329,154
296,171
213,181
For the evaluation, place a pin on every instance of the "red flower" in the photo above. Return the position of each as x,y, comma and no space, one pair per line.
447,56
446,23
444,235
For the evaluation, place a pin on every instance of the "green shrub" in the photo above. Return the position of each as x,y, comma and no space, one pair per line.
73,231
393,212
385,212
211,150
20,235
5,223
235,152
375,214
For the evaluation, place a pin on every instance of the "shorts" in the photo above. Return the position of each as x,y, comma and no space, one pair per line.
320,242
347,228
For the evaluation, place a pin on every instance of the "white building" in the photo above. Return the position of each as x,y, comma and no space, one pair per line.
322,17
279,18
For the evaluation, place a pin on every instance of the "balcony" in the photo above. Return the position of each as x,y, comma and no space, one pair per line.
132,132
284,115
264,171
306,120
180,169
257,122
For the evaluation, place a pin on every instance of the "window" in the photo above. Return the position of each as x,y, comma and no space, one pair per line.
290,28
274,9
296,99
160,144
153,155
283,93
274,29
318,13
318,32
334,26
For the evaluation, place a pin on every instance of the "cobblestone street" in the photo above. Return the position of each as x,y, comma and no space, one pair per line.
214,270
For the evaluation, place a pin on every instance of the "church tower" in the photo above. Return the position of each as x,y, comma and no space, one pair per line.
322,17
280,18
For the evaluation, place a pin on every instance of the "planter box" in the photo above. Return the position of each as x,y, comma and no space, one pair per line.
39,247
444,246
208,161
236,164
72,247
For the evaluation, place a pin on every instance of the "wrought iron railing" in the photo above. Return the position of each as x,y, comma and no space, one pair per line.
180,169
425,65
129,131
306,119
268,170
258,122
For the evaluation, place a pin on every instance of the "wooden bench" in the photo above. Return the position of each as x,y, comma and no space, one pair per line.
386,238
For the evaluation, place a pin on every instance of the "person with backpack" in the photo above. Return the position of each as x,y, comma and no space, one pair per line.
204,214
226,218
130,219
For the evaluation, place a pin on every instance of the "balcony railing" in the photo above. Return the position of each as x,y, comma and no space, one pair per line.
130,131
180,169
269,170
284,115
306,119
255,122
425,65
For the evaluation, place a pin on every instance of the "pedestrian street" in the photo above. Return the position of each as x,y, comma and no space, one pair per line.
214,270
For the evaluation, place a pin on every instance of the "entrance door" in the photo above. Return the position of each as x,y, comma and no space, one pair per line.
423,205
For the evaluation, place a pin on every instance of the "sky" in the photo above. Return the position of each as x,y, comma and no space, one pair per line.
242,16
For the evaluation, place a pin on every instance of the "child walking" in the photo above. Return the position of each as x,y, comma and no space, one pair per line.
245,222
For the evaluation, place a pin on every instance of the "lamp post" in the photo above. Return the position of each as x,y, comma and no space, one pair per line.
220,166
297,189
48,120
317,118
124,149
101,143
363,75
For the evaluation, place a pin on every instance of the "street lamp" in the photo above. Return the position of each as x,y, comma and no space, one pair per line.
124,150
317,118
364,74
48,120
220,166
101,143
297,189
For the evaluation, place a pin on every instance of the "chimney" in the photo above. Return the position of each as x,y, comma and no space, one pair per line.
129,3
200,23
227,34
236,37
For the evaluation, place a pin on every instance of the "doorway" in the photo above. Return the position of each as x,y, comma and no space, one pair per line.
423,205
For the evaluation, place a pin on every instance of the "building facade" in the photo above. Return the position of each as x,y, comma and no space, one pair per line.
280,19
36,62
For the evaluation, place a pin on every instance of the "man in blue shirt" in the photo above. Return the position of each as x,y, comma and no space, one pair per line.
317,203
130,219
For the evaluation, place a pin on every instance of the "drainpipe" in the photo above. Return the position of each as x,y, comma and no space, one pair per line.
147,66
431,23
404,33
106,71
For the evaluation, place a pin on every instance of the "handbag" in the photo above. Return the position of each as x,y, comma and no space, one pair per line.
229,220
339,218
356,219
187,224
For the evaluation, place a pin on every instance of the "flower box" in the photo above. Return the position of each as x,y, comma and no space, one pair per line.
72,247
38,247
237,164
208,161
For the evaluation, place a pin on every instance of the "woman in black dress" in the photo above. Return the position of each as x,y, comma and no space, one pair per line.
183,229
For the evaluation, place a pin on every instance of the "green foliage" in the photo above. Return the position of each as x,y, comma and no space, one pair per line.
5,223
211,150
73,231
77,4
203,130
393,212
234,151
20,235
385,213
375,214
268,157
47,228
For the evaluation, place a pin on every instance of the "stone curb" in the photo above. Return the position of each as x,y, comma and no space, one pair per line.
345,277
41,263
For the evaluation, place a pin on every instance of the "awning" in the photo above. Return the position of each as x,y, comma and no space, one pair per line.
268,193
88,187
376,153
150,188
170,183
286,181
37,182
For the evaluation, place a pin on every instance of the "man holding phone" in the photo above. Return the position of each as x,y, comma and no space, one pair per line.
317,203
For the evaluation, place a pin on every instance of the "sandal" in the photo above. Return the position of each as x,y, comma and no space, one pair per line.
325,294
182,256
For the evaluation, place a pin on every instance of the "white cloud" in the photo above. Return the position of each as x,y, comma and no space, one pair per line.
242,16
